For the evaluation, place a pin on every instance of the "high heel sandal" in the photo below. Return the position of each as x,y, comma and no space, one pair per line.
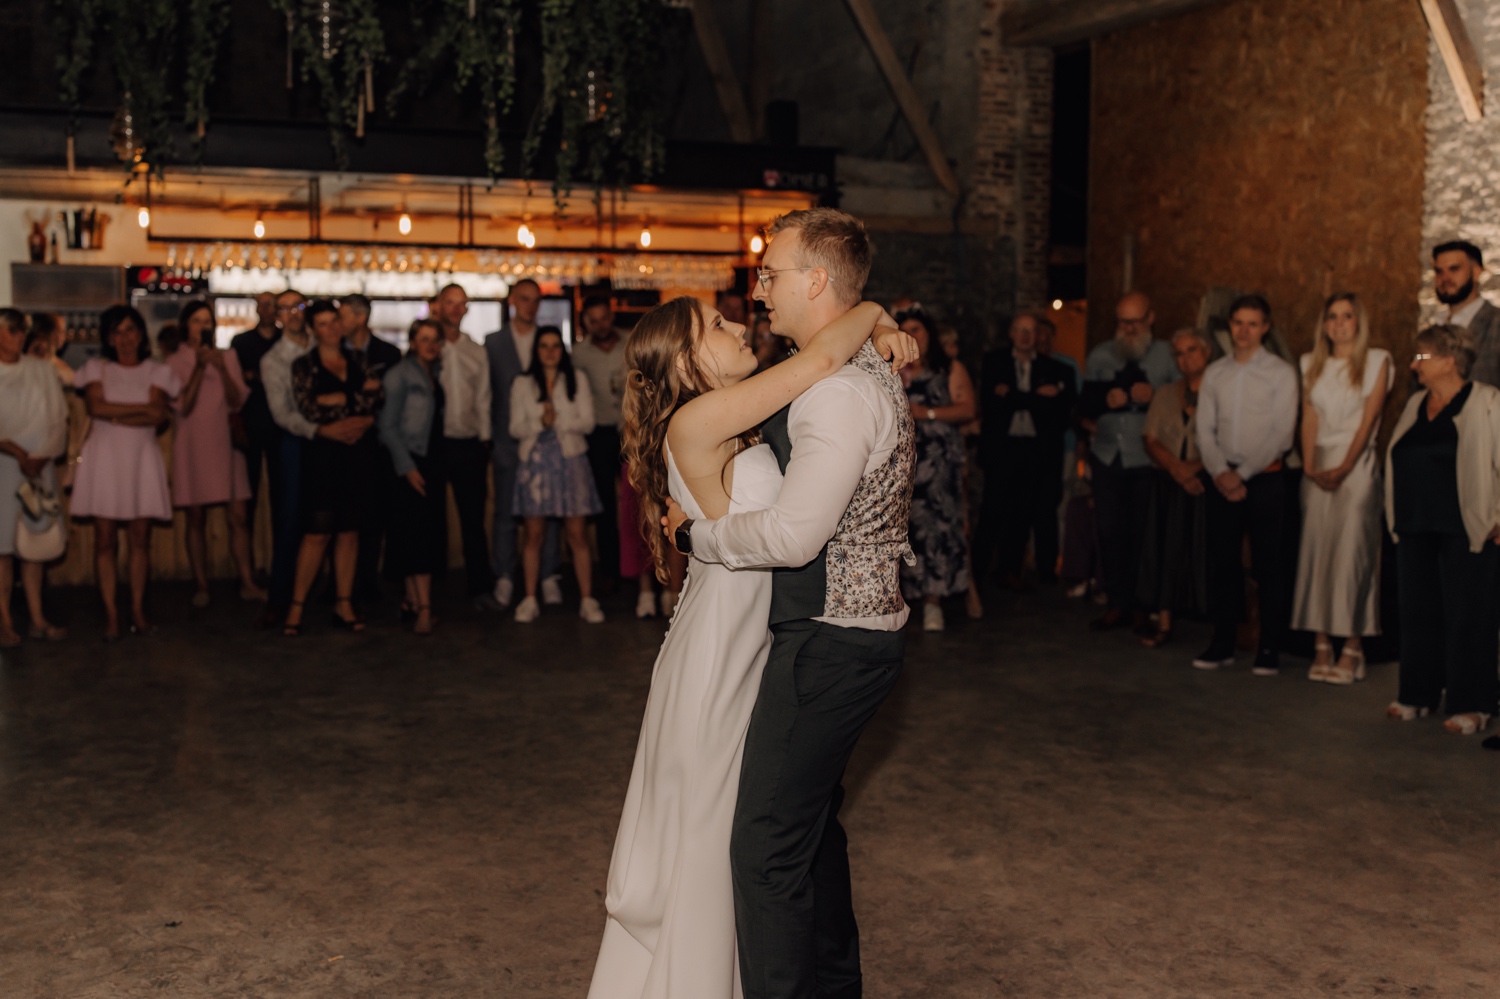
1342,675
290,629
1467,723
1396,711
417,629
1319,672
355,623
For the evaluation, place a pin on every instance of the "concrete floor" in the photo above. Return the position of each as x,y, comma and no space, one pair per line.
1040,811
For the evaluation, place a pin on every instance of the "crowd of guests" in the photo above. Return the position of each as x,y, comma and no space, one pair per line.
1193,449
361,445
1163,460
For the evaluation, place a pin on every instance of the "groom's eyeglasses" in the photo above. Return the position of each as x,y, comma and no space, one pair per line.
767,275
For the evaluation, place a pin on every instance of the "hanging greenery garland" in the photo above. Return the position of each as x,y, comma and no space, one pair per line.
599,93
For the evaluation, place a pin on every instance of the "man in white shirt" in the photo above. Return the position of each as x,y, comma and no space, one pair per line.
1457,268
509,352
1247,416
846,448
467,429
601,355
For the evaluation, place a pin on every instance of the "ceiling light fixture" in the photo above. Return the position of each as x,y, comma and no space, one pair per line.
260,228
143,217
757,244
645,237
404,224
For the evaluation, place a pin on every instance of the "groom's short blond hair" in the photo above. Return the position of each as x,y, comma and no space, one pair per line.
835,241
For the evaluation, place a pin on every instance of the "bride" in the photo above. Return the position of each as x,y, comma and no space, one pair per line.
691,412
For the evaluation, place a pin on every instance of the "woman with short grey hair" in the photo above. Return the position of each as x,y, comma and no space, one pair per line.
1442,501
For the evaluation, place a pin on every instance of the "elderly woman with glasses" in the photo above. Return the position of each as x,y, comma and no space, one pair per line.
1442,500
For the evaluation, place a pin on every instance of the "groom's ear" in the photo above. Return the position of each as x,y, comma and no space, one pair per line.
817,282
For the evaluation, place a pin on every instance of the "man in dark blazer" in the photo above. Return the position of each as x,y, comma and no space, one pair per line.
1026,404
1457,267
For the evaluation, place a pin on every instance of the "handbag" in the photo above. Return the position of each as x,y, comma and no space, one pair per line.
40,533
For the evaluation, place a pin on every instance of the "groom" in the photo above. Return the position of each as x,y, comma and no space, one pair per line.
835,536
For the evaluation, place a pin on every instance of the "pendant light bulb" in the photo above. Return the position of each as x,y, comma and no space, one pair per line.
260,228
523,234
757,244
404,224
646,237
143,217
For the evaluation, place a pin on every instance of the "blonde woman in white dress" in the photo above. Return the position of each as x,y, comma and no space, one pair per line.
692,411
1344,387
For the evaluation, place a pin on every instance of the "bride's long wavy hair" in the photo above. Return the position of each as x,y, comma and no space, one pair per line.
662,375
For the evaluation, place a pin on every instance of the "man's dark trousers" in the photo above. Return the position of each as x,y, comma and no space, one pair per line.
793,908
604,461
1122,499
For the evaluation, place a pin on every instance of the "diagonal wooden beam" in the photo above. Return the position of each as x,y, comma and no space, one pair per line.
721,68
1062,22
905,94
1464,67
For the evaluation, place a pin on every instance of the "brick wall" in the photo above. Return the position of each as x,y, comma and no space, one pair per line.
1273,145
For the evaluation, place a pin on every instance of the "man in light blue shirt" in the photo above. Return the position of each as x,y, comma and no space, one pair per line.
1120,378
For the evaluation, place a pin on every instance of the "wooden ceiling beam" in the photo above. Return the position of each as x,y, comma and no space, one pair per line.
905,93
1464,67
1050,23
721,68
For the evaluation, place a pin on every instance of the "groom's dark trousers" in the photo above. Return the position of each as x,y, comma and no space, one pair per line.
793,910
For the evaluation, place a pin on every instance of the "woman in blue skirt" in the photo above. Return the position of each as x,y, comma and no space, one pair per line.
551,413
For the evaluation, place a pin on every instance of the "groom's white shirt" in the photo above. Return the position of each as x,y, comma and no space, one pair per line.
841,429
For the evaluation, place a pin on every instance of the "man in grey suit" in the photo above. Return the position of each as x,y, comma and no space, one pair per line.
1456,269
509,350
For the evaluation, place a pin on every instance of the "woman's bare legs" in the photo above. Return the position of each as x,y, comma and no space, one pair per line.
419,595
138,536
531,552
239,544
106,545
309,561
8,634
197,545
345,555
32,577
575,529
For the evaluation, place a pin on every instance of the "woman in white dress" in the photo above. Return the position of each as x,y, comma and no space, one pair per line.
1344,386
691,413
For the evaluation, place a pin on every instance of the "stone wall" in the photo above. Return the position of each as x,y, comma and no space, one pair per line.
1463,158
1269,145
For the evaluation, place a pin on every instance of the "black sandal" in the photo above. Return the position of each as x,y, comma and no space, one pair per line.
288,629
355,623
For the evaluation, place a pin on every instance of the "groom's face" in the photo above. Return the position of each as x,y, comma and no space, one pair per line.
787,286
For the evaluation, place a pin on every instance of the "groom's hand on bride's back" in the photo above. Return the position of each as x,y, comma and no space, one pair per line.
672,520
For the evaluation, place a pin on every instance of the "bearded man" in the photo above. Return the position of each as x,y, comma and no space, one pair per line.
1120,378
1456,270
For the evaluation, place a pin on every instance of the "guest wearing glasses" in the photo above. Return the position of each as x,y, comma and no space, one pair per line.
206,469
332,389
121,477
411,427
1442,501
1120,378
1344,385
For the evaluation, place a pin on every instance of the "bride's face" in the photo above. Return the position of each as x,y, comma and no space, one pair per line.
720,349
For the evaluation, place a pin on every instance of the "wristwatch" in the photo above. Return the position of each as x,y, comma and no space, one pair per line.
683,538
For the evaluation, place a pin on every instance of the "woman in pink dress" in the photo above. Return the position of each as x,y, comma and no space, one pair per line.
206,468
121,478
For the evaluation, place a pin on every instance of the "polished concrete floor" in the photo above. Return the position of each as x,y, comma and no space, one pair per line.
1040,811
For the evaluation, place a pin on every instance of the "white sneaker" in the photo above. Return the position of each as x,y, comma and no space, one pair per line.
645,605
668,603
590,611
932,617
505,591
528,610
551,591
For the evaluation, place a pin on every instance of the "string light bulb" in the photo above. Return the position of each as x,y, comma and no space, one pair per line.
404,224
525,236
260,227
757,244
645,237
1057,305
143,217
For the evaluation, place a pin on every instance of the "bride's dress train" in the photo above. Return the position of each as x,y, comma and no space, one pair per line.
670,931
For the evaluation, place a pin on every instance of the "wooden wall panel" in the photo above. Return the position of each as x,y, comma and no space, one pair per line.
1268,145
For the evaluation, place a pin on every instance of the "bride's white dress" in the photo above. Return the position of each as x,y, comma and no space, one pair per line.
670,931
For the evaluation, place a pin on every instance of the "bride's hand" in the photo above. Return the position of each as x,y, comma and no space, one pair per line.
894,345
672,520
